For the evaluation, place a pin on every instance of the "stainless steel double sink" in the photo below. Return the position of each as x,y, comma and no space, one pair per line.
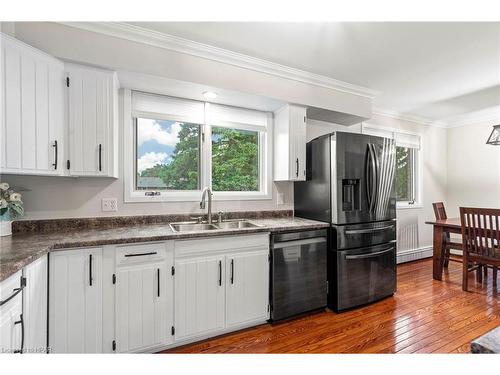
197,227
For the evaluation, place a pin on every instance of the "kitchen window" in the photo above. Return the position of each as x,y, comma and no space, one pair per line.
406,174
167,155
408,181
176,147
235,159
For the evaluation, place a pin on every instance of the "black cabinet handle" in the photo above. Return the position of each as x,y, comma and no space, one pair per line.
20,321
139,254
16,291
297,165
100,157
220,273
55,155
90,269
158,272
232,271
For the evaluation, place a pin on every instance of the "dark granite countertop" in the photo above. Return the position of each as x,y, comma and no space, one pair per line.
21,249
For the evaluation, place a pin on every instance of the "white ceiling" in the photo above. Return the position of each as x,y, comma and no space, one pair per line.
435,71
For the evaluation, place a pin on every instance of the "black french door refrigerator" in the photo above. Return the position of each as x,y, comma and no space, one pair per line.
350,184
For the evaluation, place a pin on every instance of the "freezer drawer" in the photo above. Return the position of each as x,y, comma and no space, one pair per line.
298,276
363,275
362,235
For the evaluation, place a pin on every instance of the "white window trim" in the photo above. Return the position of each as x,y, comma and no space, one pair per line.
419,199
265,160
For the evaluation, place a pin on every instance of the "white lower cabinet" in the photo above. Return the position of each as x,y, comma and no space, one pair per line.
144,296
11,315
35,306
199,296
247,287
150,296
221,284
75,294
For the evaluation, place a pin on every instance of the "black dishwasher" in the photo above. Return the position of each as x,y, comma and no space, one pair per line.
298,273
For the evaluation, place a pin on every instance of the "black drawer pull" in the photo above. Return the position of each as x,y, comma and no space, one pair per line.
140,254
16,291
232,271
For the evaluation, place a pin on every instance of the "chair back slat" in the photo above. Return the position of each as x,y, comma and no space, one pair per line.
481,232
439,211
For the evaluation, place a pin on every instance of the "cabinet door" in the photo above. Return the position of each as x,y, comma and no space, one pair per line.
290,143
142,293
11,315
35,305
199,296
32,129
298,143
247,287
91,117
75,301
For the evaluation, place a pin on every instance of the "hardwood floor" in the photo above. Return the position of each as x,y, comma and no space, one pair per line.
424,316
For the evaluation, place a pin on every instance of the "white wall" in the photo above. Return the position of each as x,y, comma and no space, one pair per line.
120,54
81,197
60,197
413,234
473,168
69,197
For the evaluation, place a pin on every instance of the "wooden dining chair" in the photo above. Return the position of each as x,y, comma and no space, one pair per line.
481,241
440,213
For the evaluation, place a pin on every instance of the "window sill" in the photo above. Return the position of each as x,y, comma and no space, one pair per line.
406,206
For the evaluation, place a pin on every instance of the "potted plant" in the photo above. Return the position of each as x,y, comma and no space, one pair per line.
11,206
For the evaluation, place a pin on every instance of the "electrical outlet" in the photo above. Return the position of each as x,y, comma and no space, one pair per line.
109,204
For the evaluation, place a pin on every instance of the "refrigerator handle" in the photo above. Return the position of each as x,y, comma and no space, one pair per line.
371,177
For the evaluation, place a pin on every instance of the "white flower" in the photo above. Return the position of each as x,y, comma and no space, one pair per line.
15,197
4,186
3,203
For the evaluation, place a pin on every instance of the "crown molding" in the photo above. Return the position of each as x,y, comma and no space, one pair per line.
411,118
173,43
486,115
490,114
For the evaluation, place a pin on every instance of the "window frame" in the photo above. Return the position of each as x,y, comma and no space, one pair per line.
205,167
417,161
414,187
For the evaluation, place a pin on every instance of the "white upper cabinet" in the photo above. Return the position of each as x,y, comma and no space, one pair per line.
93,121
32,96
290,143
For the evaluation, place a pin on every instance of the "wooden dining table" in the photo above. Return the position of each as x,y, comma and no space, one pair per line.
452,225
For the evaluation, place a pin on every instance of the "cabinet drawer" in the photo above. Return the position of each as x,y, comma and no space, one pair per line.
10,285
209,246
129,255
